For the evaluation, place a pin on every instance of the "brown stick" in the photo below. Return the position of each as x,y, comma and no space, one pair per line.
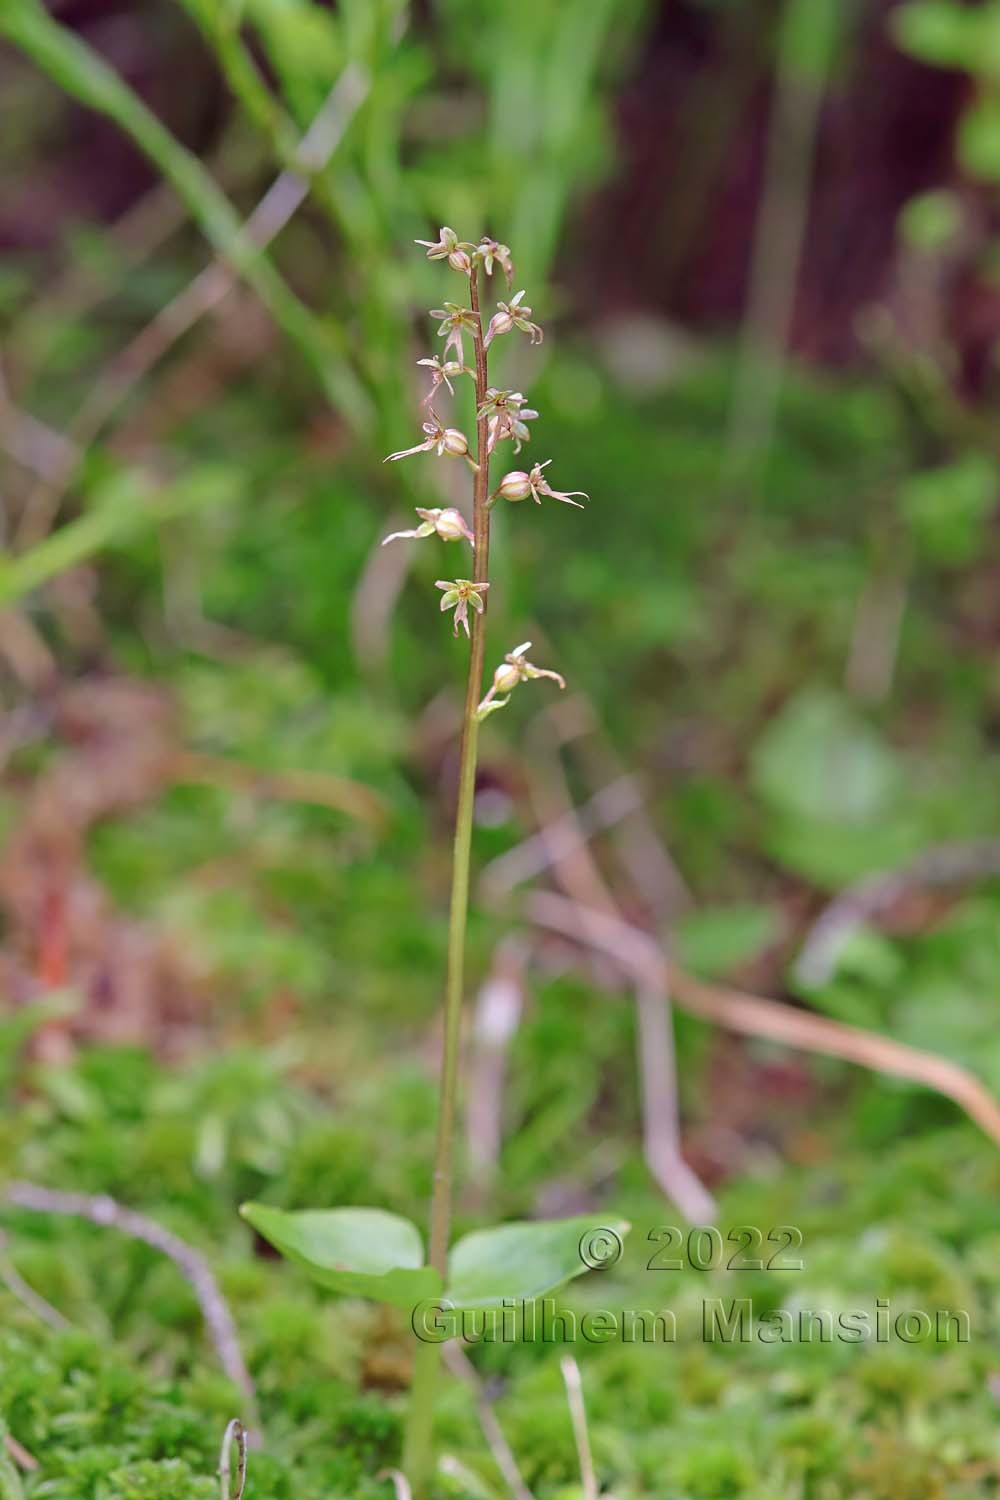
318,787
199,297
24,1460
750,1015
193,1267
944,865
461,1365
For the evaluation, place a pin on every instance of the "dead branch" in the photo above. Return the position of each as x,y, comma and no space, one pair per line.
461,1365
752,1016
235,1433
948,864
320,788
24,1460
200,296
561,837
26,1295
498,1012
578,1417
105,1211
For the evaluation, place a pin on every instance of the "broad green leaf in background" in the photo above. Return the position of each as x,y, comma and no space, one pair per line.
937,31
931,221
979,139
359,1252
303,46
833,790
716,939
820,759
526,1260
947,508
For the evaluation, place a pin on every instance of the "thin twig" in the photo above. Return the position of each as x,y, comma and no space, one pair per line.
193,1267
779,234
374,600
561,837
948,864
752,1016
498,1011
574,864
199,297
649,866
33,444
578,1417
400,1483
234,1433
19,1453
26,1295
660,1105
318,787
461,1366
581,878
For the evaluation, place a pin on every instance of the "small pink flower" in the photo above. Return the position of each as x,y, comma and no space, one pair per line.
459,594
443,373
453,321
508,417
514,668
445,440
518,485
488,251
512,315
449,247
449,524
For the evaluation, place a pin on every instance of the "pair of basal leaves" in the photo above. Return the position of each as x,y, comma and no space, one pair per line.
366,1252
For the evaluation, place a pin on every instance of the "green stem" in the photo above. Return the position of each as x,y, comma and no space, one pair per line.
419,1429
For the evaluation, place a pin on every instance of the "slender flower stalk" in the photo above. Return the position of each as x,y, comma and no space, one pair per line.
419,1430
499,415
341,1245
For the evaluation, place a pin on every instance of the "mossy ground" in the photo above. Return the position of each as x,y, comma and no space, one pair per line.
717,668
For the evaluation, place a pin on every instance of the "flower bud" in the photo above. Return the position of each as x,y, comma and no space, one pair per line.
506,677
455,442
515,486
501,322
451,525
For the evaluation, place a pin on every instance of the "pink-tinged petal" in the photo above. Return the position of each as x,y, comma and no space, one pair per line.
408,452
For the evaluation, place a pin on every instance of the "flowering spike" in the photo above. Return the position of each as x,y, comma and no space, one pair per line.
449,524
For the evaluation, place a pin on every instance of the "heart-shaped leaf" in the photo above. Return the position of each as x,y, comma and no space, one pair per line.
526,1260
360,1252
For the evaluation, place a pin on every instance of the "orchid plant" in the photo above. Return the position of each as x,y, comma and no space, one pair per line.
364,1251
